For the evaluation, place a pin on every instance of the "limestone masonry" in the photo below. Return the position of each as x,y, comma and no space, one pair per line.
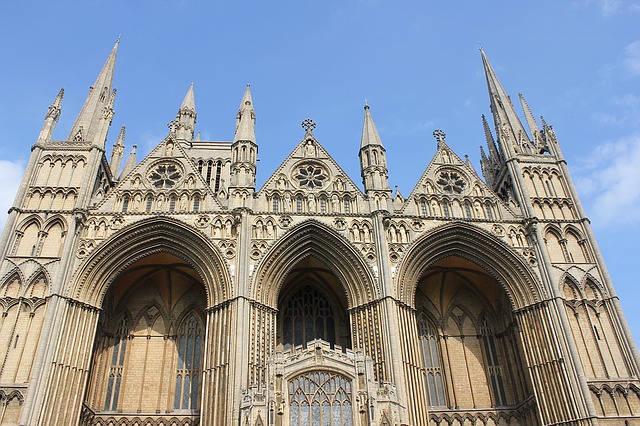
175,292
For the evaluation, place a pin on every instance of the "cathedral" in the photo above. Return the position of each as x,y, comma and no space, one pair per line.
169,290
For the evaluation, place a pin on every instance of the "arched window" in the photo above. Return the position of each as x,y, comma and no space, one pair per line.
308,315
189,364
149,203
445,207
125,203
276,202
347,204
216,187
467,210
299,203
495,373
323,205
423,208
431,362
489,210
196,203
320,398
115,369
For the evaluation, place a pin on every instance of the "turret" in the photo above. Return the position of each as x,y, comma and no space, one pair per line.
130,164
50,120
117,154
373,161
185,122
97,112
244,148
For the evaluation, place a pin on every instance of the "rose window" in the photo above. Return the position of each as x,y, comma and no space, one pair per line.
311,177
164,176
451,182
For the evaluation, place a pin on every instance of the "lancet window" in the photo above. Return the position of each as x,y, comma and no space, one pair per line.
493,365
189,364
116,367
431,362
320,398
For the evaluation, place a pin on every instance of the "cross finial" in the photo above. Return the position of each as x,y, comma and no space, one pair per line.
439,135
308,125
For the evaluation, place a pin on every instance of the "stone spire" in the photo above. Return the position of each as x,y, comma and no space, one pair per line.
117,154
511,134
244,151
130,164
369,132
536,136
246,119
50,120
185,122
95,117
373,161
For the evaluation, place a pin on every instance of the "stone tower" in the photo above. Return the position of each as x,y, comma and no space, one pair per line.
175,292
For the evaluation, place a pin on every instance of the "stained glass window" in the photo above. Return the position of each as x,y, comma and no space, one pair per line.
320,398
308,315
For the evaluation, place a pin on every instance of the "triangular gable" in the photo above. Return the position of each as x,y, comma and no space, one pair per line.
448,177
310,168
166,172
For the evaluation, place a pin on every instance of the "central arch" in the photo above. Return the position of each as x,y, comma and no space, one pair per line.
316,240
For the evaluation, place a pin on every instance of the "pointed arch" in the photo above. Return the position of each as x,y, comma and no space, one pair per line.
12,284
150,236
469,242
312,238
38,284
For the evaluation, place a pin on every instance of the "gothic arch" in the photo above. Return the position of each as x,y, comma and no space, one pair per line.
312,238
476,245
150,236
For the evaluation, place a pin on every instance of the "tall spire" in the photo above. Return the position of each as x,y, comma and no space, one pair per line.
50,120
130,164
491,143
246,119
96,114
506,119
369,132
185,122
117,154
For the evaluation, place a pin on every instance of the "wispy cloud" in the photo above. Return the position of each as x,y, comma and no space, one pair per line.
631,58
609,181
10,176
609,8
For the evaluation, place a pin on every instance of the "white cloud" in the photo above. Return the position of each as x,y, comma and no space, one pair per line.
609,180
10,176
631,58
609,8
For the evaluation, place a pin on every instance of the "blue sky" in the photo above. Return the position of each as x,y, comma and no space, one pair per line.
416,62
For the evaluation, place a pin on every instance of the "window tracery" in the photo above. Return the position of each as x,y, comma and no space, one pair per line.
431,362
189,364
117,363
320,398
308,315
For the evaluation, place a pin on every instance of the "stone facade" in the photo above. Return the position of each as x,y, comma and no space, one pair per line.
177,293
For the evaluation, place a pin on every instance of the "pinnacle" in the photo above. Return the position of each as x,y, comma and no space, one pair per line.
370,134
189,100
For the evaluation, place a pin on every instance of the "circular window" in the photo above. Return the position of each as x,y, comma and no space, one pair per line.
451,182
311,176
165,175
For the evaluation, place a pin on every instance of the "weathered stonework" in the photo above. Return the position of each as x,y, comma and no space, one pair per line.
176,292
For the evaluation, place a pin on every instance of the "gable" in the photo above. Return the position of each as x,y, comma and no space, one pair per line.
311,175
166,180
451,188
